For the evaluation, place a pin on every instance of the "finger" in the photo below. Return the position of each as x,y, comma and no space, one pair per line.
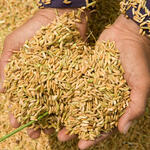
82,27
34,134
63,136
135,109
83,144
13,121
48,131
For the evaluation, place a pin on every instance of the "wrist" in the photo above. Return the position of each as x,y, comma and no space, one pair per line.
127,25
130,30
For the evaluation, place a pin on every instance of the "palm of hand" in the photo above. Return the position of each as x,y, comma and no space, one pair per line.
15,41
17,38
134,55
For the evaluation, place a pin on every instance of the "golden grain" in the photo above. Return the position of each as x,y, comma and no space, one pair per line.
137,15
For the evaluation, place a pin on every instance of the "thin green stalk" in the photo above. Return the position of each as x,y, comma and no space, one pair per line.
22,127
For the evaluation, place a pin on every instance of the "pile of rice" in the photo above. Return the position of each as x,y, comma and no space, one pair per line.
56,72
137,138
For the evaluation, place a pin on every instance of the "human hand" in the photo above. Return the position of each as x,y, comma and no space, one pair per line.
17,38
134,55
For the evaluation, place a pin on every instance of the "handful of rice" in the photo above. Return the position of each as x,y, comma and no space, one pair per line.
81,87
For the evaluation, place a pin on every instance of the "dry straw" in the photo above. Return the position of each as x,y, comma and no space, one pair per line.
58,73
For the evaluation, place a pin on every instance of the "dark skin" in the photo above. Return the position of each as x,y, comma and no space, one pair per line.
134,54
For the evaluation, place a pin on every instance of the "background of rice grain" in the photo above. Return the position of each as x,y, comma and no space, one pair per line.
13,13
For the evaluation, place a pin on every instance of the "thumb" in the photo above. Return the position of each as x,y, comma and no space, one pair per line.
135,109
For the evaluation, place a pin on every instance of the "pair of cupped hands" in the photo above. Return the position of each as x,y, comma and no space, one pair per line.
134,55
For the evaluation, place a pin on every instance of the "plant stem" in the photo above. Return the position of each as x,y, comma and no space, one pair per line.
22,127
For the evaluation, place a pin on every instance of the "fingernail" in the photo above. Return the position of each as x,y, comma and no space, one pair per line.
127,126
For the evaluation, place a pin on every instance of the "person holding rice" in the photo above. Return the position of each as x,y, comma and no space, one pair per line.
134,51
